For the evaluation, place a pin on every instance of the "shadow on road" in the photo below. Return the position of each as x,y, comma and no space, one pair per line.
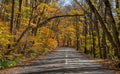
70,70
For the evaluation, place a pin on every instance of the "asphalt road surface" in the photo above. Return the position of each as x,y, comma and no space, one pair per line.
63,61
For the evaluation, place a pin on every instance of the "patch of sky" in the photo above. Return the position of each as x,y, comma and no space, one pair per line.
0,0
63,3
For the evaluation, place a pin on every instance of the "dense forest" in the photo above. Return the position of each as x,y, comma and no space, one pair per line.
29,28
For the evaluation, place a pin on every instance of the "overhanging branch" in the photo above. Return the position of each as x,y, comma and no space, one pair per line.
60,16
43,24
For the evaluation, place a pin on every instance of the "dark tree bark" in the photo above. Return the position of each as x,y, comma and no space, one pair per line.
98,36
26,3
104,46
85,30
118,6
93,40
19,15
12,17
117,3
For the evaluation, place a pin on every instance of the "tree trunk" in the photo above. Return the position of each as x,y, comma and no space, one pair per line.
98,35
93,40
104,46
85,47
77,33
114,28
115,43
19,15
12,17
117,3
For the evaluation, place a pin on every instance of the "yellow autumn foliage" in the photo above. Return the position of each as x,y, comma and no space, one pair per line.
46,32
76,12
5,37
52,43
42,7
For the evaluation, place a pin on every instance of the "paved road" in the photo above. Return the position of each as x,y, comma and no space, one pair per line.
64,61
